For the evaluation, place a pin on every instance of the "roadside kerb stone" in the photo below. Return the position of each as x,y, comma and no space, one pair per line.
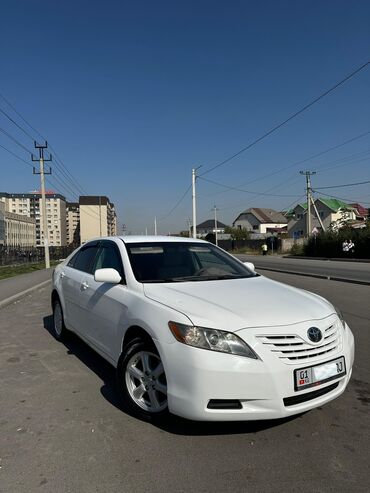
317,276
23,293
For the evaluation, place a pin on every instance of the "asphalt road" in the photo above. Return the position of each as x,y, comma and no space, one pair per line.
61,429
359,271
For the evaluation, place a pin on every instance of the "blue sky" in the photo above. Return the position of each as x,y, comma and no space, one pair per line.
132,95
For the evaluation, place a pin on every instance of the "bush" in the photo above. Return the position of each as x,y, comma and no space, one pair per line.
297,249
329,244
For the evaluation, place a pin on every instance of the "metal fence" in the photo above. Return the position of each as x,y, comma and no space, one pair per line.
16,256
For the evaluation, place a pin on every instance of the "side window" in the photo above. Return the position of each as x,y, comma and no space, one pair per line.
71,263
109,257
85,258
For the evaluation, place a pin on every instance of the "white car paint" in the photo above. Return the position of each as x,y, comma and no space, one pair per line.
254,308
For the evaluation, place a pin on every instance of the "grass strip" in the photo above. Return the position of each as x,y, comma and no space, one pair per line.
7,271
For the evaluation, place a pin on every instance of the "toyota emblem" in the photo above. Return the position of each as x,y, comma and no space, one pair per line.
314,334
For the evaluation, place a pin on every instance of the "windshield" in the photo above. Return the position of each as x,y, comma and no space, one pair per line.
183,262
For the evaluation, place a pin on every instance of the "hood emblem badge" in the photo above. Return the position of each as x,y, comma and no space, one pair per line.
314,334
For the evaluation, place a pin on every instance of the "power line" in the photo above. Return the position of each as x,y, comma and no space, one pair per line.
245,191
15,140
346,185
345,162
49,180
314,156
341,198
22,118
294,115
287,208
26,149
16,155
16,124
65,171
177,204
57,159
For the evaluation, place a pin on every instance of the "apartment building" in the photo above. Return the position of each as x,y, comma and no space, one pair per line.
29,204
97,217
16,230
73,223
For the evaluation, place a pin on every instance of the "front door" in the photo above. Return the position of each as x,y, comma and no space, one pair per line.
104,304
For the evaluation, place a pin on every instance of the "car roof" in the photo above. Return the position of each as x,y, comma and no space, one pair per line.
158,239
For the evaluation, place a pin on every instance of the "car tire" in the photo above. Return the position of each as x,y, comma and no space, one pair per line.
59,329
141,380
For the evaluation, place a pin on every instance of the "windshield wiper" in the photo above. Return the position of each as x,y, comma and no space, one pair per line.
207,278
198,278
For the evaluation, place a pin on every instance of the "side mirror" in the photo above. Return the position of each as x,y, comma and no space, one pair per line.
250,266
107,275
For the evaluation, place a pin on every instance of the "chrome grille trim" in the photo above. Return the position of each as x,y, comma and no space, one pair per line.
290,348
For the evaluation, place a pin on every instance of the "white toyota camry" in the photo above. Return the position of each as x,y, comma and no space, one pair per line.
195,332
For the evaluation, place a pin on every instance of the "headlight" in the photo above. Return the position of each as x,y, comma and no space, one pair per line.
341,318
211,339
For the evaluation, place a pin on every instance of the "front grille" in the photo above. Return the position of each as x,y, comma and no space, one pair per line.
295,348
298,399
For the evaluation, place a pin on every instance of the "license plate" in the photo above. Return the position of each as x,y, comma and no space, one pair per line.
318,374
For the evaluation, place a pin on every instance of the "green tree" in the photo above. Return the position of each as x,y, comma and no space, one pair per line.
237,233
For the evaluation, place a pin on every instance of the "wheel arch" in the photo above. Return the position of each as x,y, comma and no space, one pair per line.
135,331
54,297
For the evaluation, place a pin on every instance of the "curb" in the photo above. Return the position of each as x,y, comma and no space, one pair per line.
317,276
337,259
20,295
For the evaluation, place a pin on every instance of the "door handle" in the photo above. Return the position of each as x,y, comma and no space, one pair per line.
84,285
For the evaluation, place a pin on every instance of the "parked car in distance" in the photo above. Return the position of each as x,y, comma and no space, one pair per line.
193,331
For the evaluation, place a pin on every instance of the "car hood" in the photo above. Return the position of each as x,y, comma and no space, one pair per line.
240,303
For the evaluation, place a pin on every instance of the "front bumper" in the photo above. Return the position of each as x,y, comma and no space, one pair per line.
196,376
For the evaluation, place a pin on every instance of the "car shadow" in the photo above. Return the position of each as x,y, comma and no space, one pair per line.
171,424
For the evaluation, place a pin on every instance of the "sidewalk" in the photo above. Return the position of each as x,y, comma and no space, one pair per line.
17,285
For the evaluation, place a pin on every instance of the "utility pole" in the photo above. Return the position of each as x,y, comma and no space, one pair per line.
216,233
189,227
309,200
41,159
193,179
155,226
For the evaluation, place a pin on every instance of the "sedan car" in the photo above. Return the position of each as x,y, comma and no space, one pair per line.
193,331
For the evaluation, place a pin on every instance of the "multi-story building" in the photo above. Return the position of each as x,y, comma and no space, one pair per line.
97,217
2,223
29,204
16,230
73,223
